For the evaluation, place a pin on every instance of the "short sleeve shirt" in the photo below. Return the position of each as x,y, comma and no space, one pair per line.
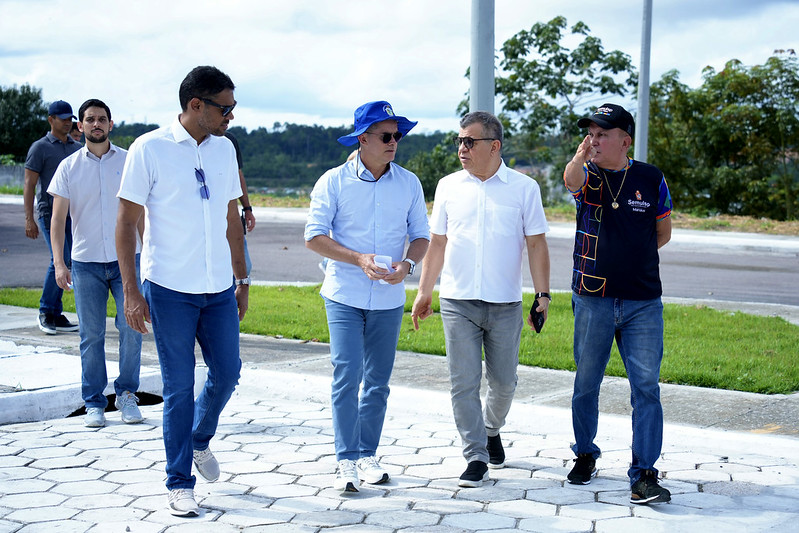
43,158
615,249
486,223
185,246
91,184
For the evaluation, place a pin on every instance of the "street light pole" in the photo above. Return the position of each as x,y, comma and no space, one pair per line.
481,71
642,121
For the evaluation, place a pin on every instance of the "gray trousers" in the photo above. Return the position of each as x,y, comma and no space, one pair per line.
469,327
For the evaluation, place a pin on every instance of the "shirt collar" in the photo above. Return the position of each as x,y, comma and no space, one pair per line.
501,173
111,151
180,133
53,139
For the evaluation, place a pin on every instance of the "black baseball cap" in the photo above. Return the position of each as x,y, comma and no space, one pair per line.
609,116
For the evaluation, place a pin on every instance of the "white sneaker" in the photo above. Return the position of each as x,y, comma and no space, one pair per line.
126,403
347,477
371,472
181,503
95,417
207,465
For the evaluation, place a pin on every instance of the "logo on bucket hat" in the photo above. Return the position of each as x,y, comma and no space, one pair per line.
371,113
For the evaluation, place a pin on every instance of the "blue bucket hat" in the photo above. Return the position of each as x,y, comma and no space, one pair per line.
60,109
371,113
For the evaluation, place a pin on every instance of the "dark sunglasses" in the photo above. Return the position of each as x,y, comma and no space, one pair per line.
468,142
200,175
226,109
386,137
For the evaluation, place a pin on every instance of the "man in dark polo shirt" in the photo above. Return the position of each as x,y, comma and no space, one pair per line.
623,209
43,158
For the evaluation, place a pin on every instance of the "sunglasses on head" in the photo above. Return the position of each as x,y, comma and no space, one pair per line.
468,142
386,137
226,109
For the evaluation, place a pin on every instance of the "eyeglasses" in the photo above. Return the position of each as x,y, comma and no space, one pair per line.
386,137
226,109
468,142
200,175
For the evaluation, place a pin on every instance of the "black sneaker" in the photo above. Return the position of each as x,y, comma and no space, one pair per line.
474,475
62,323
647,490
46,323
584,469
496,453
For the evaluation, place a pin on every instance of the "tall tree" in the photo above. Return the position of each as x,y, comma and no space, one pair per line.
730,146
23,119
548,86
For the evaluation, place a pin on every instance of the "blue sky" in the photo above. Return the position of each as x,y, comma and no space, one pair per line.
314,61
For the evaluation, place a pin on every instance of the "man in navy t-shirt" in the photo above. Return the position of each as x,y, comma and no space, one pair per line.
623,209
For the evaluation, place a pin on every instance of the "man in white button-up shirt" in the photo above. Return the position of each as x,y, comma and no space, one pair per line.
184,178
85,184
483,217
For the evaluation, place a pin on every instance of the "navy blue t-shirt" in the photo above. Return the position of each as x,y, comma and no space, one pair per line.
615,250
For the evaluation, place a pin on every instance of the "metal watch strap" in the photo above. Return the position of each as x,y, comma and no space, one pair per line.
412,263
243,281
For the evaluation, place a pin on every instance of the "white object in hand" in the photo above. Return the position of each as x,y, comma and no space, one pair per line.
384,261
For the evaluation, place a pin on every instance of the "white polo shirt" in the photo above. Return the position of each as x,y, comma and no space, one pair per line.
485,223
91,184
185,245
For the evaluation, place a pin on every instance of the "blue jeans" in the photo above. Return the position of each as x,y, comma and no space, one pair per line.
178,319
637,326
92,282
363,344
50,302
470,326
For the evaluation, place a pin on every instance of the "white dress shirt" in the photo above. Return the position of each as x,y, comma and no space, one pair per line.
91,184
485,223
185,245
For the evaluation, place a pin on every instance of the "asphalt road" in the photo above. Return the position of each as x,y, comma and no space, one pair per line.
688,269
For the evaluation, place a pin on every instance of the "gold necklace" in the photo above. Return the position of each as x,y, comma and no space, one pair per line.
615,204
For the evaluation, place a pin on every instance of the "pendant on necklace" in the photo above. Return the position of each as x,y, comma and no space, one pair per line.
615,205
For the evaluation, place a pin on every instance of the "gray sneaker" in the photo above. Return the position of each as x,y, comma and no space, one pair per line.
206,463
95,417
128,408
182,503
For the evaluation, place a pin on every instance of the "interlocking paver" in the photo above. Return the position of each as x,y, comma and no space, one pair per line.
278,465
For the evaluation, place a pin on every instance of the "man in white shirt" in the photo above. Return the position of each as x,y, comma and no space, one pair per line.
85,184
483,217
184,178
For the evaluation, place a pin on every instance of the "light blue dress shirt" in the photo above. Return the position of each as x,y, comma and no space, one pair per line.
367,216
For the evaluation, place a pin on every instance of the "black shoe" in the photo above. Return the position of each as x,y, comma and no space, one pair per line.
62,323
46,323
474,475
496,453
647,490
584,469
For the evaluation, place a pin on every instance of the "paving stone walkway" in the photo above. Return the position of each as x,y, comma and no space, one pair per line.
275,446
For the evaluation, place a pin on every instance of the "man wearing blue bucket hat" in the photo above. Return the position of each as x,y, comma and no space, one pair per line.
360,216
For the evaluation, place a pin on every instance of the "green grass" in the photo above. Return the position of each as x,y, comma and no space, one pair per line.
11,189
703,347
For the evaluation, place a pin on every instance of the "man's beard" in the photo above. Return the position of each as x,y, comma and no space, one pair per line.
101,138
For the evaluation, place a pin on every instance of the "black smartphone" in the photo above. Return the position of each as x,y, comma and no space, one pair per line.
536,317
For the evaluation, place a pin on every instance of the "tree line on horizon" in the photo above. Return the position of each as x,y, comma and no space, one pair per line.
729,146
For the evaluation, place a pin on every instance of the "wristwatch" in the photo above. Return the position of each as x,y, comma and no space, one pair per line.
243,281
544,294
412,263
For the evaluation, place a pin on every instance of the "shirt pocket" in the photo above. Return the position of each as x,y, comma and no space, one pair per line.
505,220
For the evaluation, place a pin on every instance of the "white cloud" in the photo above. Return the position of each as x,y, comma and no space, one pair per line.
314,61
